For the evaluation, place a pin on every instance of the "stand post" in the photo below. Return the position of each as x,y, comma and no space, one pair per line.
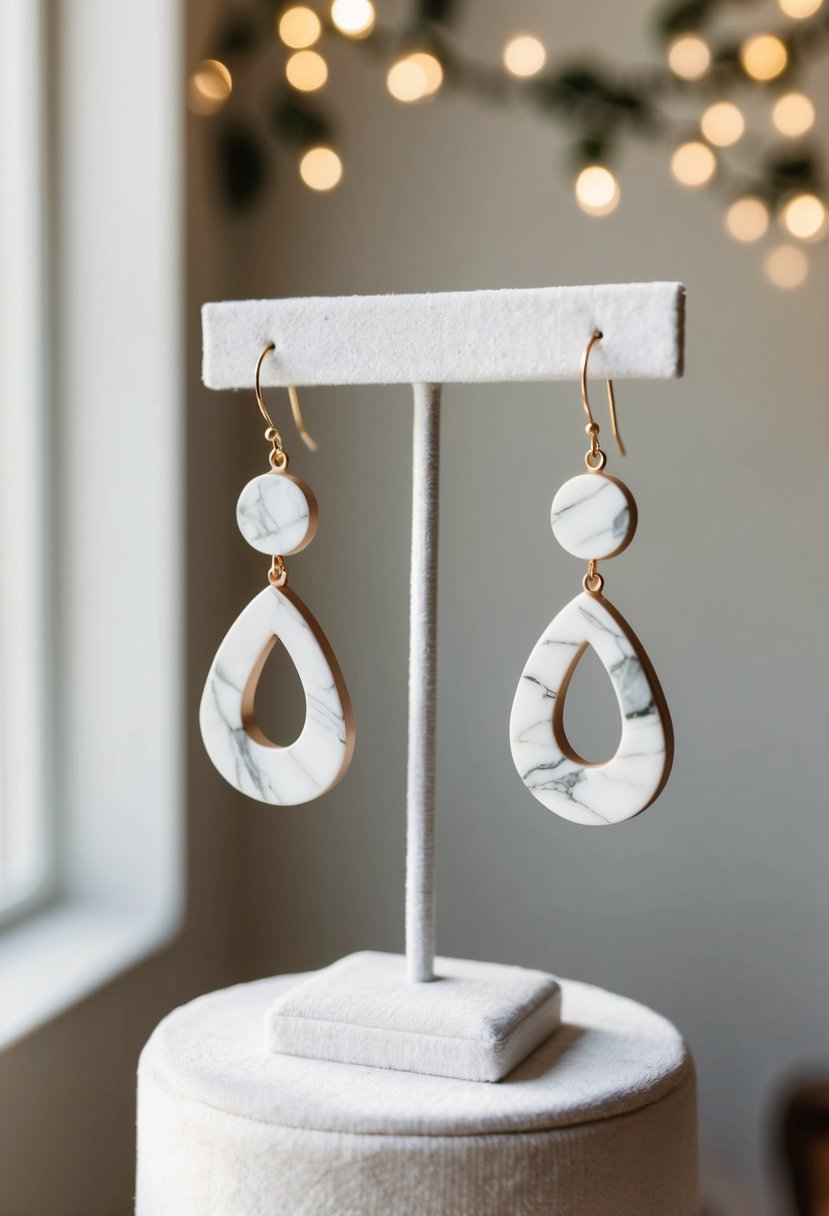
420,784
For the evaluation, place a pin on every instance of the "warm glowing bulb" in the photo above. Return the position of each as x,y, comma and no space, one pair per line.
306,71
209,87
597,191
763,57
747,219
693,164
415,77
431,68
804,216
321,169
524,55
786,266
799,8
299,27
354,18
406,81
723,123
793,114
689,57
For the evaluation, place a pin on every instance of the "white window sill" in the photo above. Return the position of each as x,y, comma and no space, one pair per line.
61,955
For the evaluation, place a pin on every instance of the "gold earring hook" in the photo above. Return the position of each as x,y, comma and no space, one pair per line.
592,426
272,435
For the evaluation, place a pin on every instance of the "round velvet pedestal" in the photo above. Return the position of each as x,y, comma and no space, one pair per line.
598,1121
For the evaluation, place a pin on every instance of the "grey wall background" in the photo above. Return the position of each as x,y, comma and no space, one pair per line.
713,906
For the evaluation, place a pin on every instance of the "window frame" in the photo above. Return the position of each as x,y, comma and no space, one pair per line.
112,370
25,645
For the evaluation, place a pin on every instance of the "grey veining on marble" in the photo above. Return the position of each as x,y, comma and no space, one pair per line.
583,792
277,514
319,757
593,516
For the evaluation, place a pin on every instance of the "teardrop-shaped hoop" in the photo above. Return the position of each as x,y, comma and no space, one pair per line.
319,757
554,773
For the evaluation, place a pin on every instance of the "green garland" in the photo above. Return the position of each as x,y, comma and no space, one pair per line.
598,107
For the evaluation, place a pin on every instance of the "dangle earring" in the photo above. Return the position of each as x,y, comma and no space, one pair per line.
277,515
594,518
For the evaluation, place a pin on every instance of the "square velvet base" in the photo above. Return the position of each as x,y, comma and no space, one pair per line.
475,1021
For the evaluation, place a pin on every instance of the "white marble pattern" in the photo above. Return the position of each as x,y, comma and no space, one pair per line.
277,514
593,516
566,784
319,757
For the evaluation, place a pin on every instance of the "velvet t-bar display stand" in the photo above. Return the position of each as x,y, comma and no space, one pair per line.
447,1017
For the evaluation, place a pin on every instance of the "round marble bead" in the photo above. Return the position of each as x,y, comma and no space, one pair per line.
593,516
277,514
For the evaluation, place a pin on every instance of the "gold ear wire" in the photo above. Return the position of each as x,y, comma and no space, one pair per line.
592,427
272,434
614,425
309,441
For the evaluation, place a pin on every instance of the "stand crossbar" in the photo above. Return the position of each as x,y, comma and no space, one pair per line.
448,338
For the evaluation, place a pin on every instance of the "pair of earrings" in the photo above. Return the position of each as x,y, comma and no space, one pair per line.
593,517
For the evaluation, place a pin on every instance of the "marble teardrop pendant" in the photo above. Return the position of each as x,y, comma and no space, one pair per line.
320,756
572,787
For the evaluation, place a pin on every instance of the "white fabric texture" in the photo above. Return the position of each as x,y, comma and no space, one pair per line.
448,337
477,1021
423,610
599,1121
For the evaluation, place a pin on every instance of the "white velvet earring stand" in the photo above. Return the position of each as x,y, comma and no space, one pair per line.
605,1118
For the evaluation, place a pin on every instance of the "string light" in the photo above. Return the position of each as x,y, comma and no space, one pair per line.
415,77
209,87
354,18
804,216
723,124
432,69
321,169
786,266
747,219
693,164
799,8
689,57
299,27
763,57
597,191
524,55
793,114
306,71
